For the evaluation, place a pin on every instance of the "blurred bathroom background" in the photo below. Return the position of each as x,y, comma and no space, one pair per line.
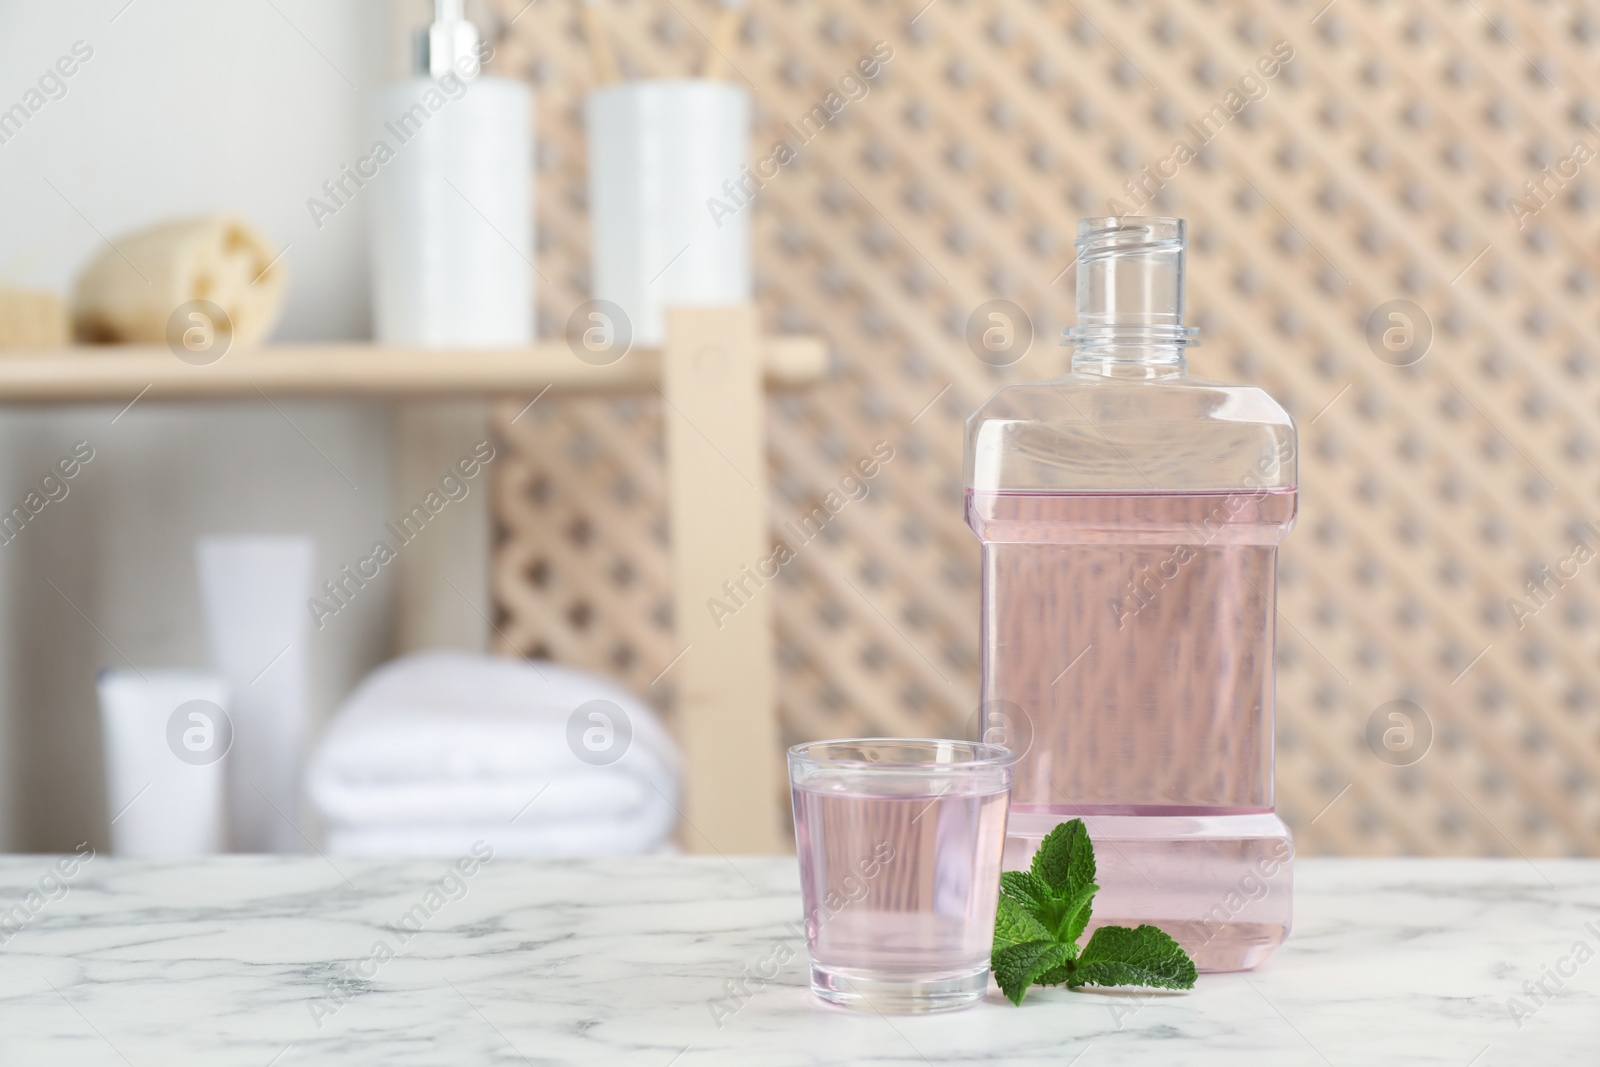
185,108
1342,164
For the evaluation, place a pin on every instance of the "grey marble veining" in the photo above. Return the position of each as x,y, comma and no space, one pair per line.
267,961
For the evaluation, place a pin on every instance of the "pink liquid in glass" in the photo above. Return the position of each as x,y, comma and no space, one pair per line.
1128,659
899,887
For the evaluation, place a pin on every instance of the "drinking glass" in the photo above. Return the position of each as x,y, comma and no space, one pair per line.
900,841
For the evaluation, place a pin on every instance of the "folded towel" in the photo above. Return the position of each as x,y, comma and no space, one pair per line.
128,293
432,748
593,793
573,840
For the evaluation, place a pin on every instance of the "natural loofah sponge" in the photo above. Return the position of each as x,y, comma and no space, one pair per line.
130,291
30,319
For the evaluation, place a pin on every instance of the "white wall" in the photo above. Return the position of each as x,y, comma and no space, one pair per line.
186,106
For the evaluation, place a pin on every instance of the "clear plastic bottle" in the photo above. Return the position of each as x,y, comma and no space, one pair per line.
1130,516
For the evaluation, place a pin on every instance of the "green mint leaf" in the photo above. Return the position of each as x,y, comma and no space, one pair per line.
1058,975
1147,956
1075,914
1019,966
1065,917
1065,860
1025,889
1015,925
1043,911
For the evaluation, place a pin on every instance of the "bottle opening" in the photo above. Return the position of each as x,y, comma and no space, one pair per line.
1130,287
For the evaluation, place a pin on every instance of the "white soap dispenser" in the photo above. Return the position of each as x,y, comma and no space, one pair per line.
452,229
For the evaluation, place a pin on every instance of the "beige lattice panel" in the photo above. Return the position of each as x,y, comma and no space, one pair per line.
1375,167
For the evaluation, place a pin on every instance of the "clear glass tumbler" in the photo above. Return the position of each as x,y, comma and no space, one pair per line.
900,842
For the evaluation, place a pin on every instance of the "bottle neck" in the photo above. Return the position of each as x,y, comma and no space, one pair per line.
1130,298
1141,361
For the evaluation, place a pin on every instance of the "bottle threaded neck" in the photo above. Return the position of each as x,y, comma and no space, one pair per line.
1130,289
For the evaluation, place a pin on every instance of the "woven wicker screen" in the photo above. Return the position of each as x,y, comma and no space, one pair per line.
1375,165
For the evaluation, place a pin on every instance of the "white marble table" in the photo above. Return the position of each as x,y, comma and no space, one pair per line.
261,961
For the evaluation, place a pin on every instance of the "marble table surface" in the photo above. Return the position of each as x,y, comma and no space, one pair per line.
275,962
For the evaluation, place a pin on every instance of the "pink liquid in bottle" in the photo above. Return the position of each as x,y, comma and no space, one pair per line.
1130,516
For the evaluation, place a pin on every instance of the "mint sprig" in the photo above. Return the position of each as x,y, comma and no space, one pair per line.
1044,910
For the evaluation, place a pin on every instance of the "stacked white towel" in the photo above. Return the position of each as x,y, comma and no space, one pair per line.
434,752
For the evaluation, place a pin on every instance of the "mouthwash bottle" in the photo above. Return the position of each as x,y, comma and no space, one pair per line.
1130,516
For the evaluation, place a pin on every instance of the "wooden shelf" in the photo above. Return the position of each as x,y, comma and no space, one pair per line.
122,372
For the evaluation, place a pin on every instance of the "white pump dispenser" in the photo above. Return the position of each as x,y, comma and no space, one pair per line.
452,230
